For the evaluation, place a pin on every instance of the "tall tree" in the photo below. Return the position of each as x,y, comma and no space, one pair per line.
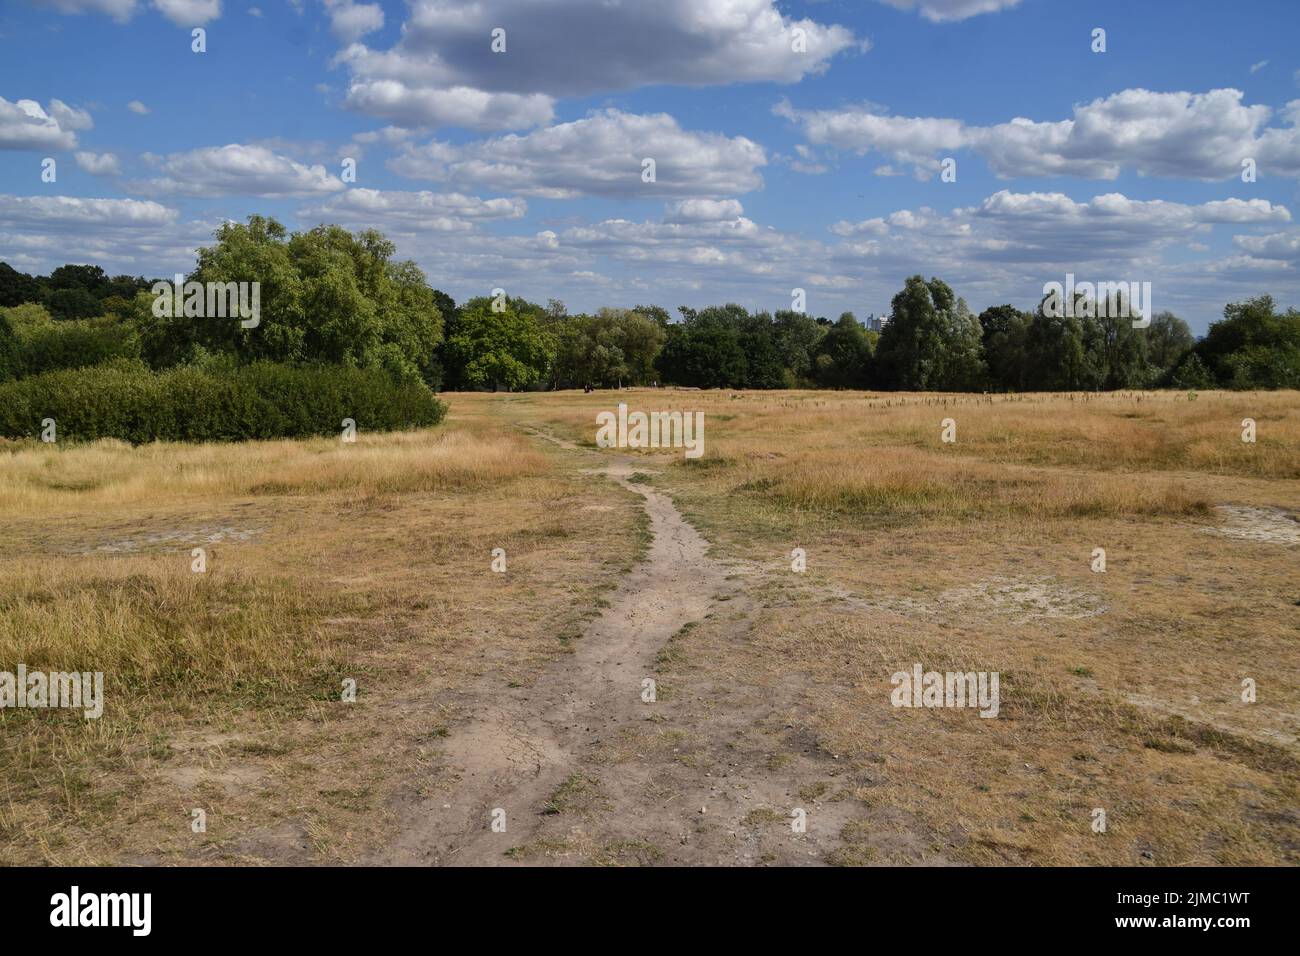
931,340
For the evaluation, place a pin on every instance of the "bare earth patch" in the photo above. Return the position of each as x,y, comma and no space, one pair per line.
1257,524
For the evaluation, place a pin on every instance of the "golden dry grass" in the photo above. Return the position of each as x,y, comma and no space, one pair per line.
1120,690
223,690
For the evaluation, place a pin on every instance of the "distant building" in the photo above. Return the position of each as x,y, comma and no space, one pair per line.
874,323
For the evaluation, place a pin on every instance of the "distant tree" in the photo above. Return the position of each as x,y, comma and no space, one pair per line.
1253,346
704,350
797,335
1054,353
1168,339
655,312
72,302
611,348
85,277
1003,334
16,287
1115,352
8,349
931,340
1191,373
843,355
509,349
326,295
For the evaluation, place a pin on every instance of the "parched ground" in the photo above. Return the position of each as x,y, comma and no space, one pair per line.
651,681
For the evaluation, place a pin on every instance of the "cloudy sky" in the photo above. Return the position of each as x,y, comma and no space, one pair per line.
795,144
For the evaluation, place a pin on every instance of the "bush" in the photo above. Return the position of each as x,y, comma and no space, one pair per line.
124,399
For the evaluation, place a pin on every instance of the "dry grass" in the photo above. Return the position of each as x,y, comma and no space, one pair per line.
1119,690
371,561
35,477
223,690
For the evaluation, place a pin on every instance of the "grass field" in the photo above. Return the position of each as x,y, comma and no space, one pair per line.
1120,691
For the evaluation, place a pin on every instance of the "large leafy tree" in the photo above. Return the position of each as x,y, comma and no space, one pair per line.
325,295
1168,340
17,287
1116,352
1054,353
1003,335
843,355
705,349
797,335
932,341
1253,346
504,349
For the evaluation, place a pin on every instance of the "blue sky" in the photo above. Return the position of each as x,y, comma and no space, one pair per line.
776,168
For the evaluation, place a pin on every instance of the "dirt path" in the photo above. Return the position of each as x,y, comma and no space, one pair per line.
528,742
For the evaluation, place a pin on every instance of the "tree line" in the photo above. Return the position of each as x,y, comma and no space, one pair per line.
333,297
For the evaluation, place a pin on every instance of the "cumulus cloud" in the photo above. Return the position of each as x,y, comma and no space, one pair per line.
38,233
601,155
98,164
184,13
703,210
1277,246
119,10
135,106
1186,135
397,211
461,106
941,11
237,170
443,70
25,125
189,13
77,211
351,21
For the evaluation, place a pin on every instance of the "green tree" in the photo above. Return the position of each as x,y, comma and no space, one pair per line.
1004,333
797,335
932,341
1253,346
843,355
507,349
1168,340
704,349
1054,351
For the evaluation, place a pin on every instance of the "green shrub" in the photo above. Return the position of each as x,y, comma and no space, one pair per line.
124,399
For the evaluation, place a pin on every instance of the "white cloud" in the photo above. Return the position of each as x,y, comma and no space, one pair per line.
135,106
119,10
38,233
189,13
351,21
460,106
98,164
941,11
1278,246
1187,135
405,212
600,155
237,170
76,211
442,71
703,210
184,13
25,125
1256,67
